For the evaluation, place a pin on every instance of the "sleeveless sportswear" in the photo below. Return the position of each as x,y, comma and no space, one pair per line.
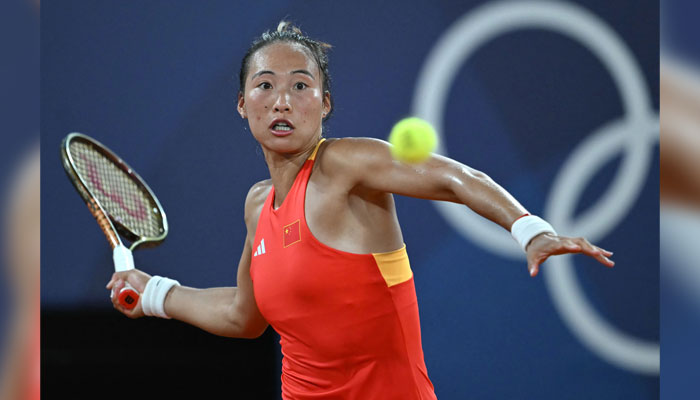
348,323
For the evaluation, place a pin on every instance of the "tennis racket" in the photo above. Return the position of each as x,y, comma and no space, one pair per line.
121,202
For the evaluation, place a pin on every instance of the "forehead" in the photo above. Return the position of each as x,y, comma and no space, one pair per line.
282,57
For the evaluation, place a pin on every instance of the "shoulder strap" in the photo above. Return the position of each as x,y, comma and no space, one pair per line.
313,155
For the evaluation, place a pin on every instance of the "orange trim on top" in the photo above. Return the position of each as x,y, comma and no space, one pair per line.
313,155
394,266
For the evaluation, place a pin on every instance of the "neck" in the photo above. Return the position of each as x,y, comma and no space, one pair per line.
284,169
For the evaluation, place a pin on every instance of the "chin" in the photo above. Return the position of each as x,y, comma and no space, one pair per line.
283,145
291,144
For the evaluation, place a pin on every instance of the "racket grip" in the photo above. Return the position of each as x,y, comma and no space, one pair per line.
123,259
128,297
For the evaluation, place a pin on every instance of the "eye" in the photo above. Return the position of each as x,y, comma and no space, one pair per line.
265,85
300,85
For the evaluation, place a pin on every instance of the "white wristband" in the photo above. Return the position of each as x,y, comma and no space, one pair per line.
153,297
526,228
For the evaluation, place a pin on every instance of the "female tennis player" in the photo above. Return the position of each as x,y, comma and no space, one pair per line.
324,260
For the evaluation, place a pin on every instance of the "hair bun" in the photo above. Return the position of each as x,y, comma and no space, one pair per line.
286,26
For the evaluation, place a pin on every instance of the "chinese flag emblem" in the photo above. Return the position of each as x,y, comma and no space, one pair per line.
291,234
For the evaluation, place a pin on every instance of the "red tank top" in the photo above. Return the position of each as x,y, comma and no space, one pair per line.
348,323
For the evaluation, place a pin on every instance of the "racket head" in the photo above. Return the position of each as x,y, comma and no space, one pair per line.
100,175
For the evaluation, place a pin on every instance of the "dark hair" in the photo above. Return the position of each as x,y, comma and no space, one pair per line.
286,32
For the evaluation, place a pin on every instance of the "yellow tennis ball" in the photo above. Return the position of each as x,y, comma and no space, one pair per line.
412,139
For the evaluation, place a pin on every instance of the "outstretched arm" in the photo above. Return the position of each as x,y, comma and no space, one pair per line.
368,163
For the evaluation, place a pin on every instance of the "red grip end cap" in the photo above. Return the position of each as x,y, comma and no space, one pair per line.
128,298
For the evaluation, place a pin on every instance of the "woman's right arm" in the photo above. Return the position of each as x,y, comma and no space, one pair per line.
225,311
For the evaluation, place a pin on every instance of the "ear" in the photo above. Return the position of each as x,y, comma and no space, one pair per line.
241,106
326,102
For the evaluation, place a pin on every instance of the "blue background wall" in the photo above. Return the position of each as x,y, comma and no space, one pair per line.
157,80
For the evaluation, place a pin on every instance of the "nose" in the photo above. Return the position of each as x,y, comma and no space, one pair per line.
282,103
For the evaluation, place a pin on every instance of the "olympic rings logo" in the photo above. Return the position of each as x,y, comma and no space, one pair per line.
635,134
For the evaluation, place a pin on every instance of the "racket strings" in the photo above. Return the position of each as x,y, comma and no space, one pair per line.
121,197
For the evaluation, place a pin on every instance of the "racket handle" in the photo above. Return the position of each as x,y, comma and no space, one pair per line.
124,261
128,297
122,257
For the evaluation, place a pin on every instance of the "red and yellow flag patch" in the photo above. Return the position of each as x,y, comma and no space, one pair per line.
291,234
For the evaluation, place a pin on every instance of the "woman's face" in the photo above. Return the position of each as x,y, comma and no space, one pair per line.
284,100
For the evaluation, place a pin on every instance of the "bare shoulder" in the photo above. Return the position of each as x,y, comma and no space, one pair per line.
353,148
254,202
348,156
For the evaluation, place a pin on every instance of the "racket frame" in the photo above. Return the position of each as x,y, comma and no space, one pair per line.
94,205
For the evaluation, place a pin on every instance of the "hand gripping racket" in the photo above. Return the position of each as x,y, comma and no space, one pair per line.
118,198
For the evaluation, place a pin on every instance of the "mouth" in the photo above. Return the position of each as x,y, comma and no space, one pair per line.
281,127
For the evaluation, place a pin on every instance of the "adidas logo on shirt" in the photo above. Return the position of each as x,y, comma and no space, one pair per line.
261,248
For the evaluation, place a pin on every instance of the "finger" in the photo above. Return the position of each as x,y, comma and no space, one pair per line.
606,261
112,297
591,250
599,254
534,269
531,264
111,281
118,285
117,276
606,252
603,257
587,248
534,266
135,281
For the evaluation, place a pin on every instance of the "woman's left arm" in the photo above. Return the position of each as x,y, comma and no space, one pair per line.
368,163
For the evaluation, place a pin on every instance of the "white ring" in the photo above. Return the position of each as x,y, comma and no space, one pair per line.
635,134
